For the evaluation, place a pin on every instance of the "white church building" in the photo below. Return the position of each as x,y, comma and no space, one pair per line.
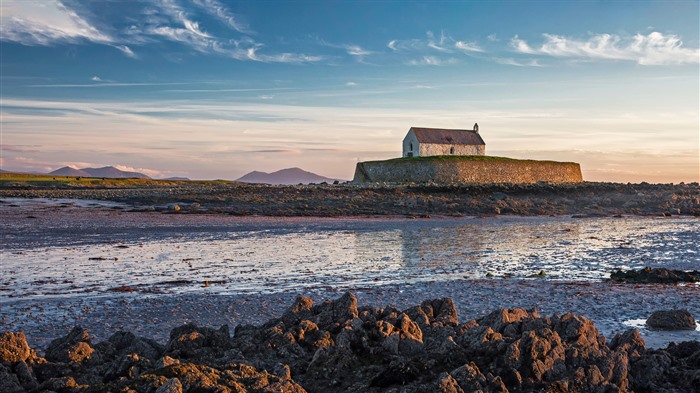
424,142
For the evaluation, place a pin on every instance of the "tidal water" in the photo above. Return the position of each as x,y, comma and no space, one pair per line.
130,252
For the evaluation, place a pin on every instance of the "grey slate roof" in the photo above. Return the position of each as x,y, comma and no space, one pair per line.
446,136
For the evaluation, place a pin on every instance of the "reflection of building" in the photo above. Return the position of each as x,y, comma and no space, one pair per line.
423,142
441,246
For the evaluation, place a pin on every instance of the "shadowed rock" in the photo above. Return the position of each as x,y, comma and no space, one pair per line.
671,320
337,347
650,275
74,348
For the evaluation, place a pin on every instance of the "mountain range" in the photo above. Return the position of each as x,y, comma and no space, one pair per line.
107,172
285,177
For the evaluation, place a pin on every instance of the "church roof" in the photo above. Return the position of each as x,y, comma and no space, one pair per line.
445,136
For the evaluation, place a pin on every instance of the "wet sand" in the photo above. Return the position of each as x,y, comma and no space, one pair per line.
613,307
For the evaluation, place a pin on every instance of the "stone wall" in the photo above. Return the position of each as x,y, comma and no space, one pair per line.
453,169
434,149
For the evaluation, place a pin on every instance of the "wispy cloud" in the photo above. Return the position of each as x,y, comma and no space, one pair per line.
46,23
518,63
126,50
217,9
433,61
652,49
468,46
356,50
49,22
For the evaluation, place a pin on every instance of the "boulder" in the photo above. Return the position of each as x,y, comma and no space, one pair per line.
671,320
655,276
74,348
14,347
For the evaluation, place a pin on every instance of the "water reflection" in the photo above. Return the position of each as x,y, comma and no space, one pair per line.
342,254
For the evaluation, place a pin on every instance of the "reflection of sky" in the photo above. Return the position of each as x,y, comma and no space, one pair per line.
290,257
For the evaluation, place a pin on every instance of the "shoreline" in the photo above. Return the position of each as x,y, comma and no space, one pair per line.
402,200
612,306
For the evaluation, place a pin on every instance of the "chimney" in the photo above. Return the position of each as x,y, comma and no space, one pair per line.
476,127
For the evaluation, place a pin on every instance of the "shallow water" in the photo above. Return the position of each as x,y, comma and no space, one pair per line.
184,254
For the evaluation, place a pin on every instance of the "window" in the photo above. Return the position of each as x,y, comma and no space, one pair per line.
411,147
452,150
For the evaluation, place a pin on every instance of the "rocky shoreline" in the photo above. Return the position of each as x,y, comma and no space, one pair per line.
338,346
413,200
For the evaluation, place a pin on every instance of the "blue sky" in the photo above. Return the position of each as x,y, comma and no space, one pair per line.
215,89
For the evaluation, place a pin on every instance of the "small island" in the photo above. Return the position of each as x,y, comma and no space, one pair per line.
435,155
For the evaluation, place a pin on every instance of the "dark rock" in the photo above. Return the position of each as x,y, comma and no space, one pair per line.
74,348
671,320
8,381
655,275
337,347
190,341
172,385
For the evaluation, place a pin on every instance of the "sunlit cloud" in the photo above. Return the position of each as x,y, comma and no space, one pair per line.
652,49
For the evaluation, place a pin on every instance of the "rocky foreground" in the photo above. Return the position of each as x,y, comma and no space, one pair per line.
337,346
329,200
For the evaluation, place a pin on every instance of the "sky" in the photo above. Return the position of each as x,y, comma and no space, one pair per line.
213,89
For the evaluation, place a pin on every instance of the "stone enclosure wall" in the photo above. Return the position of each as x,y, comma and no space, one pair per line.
466,170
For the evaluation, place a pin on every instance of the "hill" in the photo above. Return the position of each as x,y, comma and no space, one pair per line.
107,172
68,171
285,176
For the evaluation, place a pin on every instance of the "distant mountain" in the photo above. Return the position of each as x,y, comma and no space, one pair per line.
107,172
285,176
176,178
71,172
112,172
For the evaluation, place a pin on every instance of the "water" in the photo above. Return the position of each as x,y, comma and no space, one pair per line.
184,254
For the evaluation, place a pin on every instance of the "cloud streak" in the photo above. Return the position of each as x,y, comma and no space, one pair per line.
652,49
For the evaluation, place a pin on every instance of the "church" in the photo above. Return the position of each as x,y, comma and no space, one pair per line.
424,142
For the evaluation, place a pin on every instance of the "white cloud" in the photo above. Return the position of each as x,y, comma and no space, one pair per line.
350,84
154,173
518,63
391,45
493,37
468,46
433,61
96,79
652,49
126,50
521,46
45,23
217,9
439,45
356,50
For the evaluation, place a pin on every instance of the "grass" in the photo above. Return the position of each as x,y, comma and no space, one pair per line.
457,158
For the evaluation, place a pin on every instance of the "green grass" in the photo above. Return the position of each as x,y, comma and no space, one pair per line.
457,158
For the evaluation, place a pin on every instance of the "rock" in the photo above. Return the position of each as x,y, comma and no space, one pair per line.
337,347
336,311
172,385
8,381
189,341
671,320
655,275
74,348
14,347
